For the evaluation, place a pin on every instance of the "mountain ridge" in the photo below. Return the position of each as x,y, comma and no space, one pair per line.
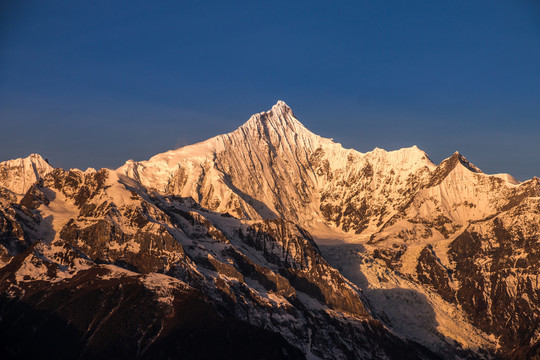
226,173
241,216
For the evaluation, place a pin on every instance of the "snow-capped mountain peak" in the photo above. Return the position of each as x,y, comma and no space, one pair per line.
18,175
278,120
275,131
274,167
458,157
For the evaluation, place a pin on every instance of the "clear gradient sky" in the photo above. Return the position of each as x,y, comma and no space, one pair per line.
94,83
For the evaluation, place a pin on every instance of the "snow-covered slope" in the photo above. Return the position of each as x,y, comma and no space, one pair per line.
273,167
407,306
19,174
261,170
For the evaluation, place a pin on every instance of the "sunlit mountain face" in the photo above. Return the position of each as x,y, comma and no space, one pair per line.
269,242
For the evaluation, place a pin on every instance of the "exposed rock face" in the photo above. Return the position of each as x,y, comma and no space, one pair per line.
12,239
293,249
432,273
497,266
482,281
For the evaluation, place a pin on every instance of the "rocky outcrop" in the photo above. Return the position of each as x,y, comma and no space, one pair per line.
496,264
431,272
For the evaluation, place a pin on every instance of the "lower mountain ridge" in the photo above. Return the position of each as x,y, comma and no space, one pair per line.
103,268
269,242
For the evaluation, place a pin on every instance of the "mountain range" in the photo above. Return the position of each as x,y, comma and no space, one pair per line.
269,242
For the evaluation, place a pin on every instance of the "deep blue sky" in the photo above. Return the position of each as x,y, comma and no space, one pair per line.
94,83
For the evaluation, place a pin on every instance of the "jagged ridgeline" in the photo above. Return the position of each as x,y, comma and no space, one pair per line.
269,242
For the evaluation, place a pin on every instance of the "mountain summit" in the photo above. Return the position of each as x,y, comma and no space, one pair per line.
277,119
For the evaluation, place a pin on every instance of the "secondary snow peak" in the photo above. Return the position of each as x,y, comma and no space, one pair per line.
18,175
457,157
